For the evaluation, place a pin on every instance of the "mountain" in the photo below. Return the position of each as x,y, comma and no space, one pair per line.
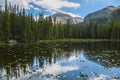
75,20
64,18
116,15
101,15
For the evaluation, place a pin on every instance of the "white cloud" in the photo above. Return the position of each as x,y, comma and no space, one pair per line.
56,4
35,8
48,69
69,13
101,77
58,69
74,56
49,5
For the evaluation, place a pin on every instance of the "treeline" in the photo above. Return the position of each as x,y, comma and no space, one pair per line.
110,30
25,28
16,24
98,29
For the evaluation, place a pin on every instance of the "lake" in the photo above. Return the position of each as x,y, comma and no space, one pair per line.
61,61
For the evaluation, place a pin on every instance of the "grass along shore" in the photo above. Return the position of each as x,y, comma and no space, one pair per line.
3,43
62,40
75,40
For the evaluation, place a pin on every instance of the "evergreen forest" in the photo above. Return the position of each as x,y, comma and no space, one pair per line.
17,25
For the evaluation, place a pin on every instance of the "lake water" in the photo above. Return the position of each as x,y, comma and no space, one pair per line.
61,61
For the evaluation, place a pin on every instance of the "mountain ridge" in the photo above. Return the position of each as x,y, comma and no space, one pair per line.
64,18
102,13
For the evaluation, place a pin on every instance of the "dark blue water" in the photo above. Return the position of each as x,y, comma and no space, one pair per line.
61,61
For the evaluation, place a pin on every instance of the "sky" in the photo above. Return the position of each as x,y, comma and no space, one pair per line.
74,8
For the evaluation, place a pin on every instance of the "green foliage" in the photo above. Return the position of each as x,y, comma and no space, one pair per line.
2,43
24,28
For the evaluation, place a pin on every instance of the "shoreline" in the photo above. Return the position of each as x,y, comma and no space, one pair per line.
2,43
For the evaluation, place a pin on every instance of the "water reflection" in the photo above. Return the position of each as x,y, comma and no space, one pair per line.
61,61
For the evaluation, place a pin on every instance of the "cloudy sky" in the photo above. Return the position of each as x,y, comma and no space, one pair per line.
72,7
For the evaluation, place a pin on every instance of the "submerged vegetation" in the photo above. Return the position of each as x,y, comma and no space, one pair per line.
2,43
18,25
60,60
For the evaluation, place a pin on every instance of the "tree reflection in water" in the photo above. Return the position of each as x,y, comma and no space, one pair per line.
60,61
